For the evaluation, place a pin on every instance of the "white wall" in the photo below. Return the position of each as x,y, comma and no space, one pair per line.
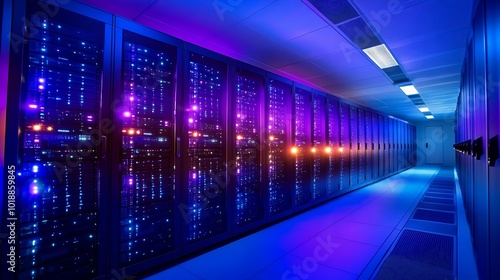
448,139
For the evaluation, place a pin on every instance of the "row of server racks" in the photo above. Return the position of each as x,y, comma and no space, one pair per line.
136,149
477,130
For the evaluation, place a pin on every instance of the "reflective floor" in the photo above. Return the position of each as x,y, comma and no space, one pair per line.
347,238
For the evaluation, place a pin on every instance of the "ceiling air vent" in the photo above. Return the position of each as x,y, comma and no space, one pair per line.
396,74
360,33
336,11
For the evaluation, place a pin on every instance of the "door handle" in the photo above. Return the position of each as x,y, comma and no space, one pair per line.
427,145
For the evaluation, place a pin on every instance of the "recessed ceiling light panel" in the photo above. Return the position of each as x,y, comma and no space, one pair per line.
381,56
409,90
423,109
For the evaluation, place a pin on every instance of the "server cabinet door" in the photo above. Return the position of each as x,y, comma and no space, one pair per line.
406,145
399,145
362,146
382,146
60,151
147,227
387,158
206,194
278,148
392,143
353,146
302,145
247,197
369,145
376,146
344,145
479,135
493,29
333,146
319,152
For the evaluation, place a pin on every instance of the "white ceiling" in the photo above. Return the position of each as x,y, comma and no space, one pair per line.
287,37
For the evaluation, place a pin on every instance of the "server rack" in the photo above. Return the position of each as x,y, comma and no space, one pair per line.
334,144
278,108
60,156
147,159
362,146
248,206
370,146
344,145
353,146
391,144
376,146
301,146
205,195
387,158
382,146
398,136
318,150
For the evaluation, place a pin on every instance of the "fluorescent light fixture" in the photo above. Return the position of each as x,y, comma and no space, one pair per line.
409,90
381,56
423,109
429,117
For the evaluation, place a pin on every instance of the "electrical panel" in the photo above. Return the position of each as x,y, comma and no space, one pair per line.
344,145
147,156
319,165
362,146
302,144
279,194
61,137
354,146
206,192
248,192
332,149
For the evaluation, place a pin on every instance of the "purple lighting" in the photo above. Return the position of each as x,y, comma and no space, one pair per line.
127,114
33,106
34,189
41,80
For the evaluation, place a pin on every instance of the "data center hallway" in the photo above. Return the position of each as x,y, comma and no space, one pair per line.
346,238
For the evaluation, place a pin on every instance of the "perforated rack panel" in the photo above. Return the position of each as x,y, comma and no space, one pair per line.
302,146
58,173
333,146
206,150
147,190
319,155
279,196
353,168
376,146
362,146
248,200
344,145
369,145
